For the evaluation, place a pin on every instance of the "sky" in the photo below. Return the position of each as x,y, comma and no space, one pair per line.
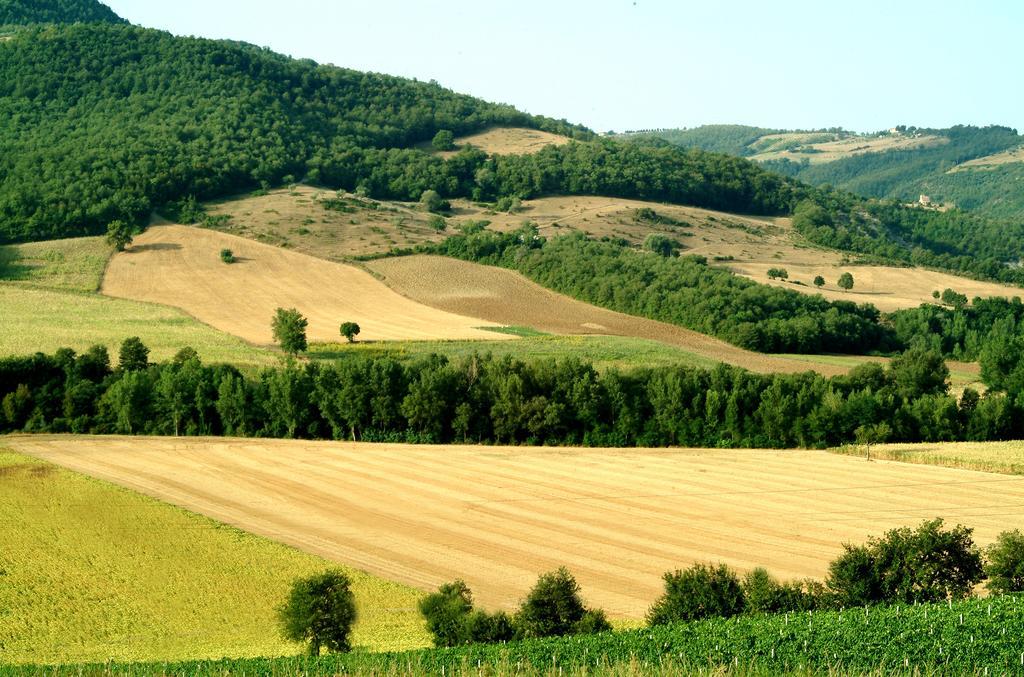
642,64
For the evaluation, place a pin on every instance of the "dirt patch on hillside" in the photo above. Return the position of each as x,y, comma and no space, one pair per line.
498,516
506,141
180,266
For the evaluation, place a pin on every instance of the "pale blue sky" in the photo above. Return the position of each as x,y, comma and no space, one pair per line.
620,64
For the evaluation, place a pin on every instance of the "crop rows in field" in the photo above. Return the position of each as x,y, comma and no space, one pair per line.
979,636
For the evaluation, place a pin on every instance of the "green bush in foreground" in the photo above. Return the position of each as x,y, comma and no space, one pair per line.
958,638
320,610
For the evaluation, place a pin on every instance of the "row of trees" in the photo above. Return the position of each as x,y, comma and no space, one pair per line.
906,566
499,400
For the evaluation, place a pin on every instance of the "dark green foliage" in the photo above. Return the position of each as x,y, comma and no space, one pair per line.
952,298
289,328
682,290
778,274
443,140
1005,563
227,256
452,620
927,564
819,281
321,610
662,245
20,12
154,119
554,608
431,201
438,223
119,234
918,372
702,591
845,281
134,355
731,139
484,399
763,593
349,330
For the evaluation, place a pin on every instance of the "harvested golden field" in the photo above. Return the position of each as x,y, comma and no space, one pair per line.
180,266
1001,457
507,141
499,516
506,297
92,572
747,245
822,147
1005,157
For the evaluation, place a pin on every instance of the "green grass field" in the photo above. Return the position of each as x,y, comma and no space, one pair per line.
72,264
999,457
605,352
45,320
91,572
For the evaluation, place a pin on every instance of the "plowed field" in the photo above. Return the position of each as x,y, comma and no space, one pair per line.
499,516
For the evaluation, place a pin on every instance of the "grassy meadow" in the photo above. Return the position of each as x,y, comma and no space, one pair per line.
91,572
74,264
605,352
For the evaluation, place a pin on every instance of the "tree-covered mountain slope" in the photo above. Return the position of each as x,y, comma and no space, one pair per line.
948,165
102,122
18,12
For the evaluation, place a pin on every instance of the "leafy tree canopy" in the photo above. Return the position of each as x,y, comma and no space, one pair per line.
18,12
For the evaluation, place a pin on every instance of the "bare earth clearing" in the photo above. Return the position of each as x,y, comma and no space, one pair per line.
180,266
507,141
506,297
499,516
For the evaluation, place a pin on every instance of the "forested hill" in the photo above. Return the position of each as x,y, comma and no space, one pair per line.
20,12
101,122
948,165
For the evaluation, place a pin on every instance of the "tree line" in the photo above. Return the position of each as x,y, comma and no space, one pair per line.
18,12
924,565
483,399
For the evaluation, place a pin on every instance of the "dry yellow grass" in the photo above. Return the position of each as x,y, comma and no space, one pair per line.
180,266
1001,457
508,141
506,297
1005,157
498,516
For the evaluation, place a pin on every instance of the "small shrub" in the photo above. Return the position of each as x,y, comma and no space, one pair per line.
702,591
554,607
662,245
432,201
819,281
438,223
845,281
1005,566
510,204
778,274
227,256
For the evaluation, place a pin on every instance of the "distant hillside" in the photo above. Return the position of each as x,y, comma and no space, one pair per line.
948,165
17,12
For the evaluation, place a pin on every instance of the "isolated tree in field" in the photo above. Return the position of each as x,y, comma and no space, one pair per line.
289,328
321,610
952,298
119,235
872,433
443,140
845,281
702,591
936,294
554,608
819,281
227,256
778,274
349,330
438,223
134,355
1005,565
662,245
432,201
